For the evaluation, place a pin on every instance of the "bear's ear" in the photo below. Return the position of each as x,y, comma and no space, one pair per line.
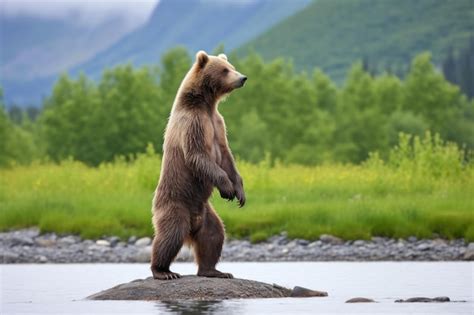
222,56
201,58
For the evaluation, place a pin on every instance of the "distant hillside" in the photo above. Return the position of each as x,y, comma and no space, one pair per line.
34,50
195,24
33,56
332,34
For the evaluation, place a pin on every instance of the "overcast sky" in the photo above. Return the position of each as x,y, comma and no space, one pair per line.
85,12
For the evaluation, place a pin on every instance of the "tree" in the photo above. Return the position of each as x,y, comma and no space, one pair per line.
68,121
360,120
439,102
16,144
129,111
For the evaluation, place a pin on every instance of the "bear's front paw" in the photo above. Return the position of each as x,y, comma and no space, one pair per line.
240,195
226,190
239,191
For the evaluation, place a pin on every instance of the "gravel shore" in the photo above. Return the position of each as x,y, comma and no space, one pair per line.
29,246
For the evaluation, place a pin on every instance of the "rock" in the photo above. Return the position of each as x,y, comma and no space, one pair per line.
191,288
69,240
102,243
9,257
359,243
360,300
315,244
302,242
424,300
132,239
121,244
114,240
329,239
143,255
304,292
21,240
378,240
45,242
144,241
423,247
412,239
469,253
184,254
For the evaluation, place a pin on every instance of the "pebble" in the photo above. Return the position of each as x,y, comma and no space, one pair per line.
360,300
114,240
302,242
423,246
45,242
143,255
28,246
132,239
185,254
102,243
144,241
424,300
469,253
330,239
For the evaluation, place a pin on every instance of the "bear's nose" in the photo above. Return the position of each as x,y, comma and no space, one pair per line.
243,79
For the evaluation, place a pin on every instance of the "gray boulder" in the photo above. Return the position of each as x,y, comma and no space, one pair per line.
304,292
197,288
424,300
360,300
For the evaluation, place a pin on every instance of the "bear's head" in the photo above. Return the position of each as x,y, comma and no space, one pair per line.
216,75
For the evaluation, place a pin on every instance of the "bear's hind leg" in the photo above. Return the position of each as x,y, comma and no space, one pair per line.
171,228
207,243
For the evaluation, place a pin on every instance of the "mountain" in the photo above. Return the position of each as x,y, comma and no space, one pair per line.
39,50
35,49
194,24
332,34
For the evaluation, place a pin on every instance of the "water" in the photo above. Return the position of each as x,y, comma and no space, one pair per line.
61,289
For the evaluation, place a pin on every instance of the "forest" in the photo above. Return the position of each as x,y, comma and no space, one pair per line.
379,155
292,117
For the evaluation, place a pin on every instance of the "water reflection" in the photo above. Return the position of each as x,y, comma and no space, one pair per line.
194,307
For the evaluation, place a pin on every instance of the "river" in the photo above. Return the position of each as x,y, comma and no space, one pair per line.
61,289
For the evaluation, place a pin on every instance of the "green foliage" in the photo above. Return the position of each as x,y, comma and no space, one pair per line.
294,117
423,189
17,143
95,123
427,156
387,34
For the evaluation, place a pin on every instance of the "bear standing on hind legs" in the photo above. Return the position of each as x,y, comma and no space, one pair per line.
196,158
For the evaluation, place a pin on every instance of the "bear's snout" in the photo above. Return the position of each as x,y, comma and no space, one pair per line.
242,80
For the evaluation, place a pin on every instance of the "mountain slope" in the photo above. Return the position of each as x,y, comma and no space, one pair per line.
332,34
195,24
34,50
28,73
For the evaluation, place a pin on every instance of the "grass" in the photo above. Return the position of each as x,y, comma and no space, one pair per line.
352,202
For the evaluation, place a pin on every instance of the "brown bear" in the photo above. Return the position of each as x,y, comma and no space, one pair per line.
196,158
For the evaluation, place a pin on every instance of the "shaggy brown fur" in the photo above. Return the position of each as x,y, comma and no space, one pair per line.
196,159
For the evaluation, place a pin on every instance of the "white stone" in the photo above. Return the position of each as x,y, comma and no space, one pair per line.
102,243
144,255
144,241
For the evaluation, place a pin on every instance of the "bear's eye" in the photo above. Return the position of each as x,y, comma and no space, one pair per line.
225,71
